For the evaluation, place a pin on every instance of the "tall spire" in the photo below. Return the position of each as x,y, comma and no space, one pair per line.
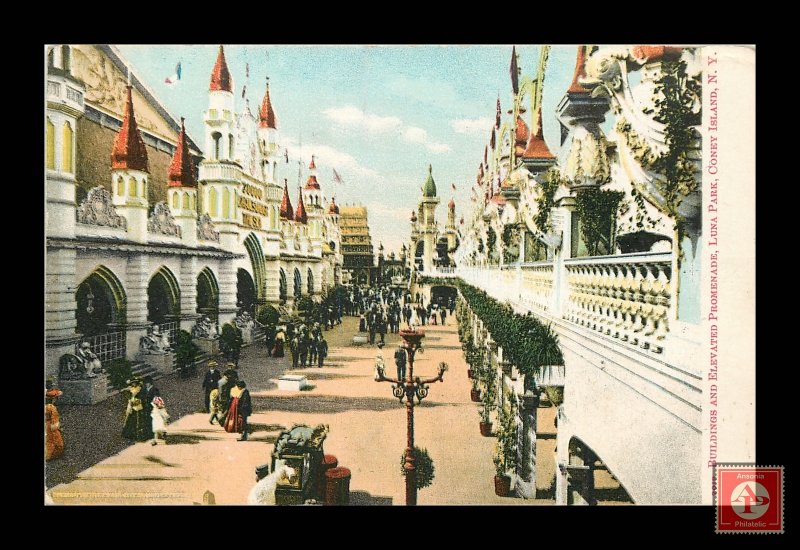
181,171
129,151
429,189
287,213
580,72
312,182
300,214
498,114
267,117
537,147
220,75
514,70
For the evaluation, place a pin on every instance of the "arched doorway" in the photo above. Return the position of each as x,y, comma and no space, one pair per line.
298,284
589,481
245,292
283,288
101,302
442,295
259,278
207,294
310,281
163,297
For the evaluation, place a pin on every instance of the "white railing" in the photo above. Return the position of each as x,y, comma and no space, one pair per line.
215,171
108,346
626,297
74,95
53,89
537,286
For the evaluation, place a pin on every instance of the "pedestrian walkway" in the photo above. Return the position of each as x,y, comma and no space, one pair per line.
367,434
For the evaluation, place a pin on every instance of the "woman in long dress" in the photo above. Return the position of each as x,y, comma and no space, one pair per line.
54,440
138,424
233,421
280,340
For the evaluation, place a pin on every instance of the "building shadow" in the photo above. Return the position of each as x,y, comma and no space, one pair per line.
159,461
362,498
186,439
254,427
333,376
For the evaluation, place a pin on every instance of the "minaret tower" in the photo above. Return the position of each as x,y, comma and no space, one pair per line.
219,118
182,190
268,138
428,230
129,173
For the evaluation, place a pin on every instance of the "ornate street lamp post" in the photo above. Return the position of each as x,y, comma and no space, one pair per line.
409,389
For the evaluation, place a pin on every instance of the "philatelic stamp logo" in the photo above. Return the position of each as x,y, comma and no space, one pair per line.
748,498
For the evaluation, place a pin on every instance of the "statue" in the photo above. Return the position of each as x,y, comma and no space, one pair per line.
92,365
244,322
205,328
155,342
302,436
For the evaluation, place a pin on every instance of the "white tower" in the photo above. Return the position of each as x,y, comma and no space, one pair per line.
219,118
182,190
428,230
268,138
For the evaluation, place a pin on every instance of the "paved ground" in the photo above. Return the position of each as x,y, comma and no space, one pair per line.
367,434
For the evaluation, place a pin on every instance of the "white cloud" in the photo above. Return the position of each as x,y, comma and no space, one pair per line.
475,126
353,117
328,157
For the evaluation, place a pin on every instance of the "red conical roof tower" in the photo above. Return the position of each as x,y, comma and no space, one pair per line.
580,72
300,214
521,135
287,213
181,171
129,151
220,75
312,182
537,148
267,117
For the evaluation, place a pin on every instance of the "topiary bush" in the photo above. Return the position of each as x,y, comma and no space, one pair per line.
423,464
230,342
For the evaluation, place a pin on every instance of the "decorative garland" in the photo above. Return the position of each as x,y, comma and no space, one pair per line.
545,201
597,212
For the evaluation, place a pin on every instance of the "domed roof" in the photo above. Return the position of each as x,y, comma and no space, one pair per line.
451,205
429,189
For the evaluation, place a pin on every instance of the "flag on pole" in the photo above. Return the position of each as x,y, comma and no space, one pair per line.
336,177
514,71
175,77
247,70
286,154
453,185
244,90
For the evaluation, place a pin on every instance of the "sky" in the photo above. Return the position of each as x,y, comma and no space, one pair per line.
379,115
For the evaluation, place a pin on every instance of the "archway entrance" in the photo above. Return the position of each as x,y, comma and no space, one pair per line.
283,290
163,297
310,281
245,292
298,284
259,278
101,302
442,295
207,294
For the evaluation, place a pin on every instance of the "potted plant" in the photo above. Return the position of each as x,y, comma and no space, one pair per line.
230,342
186,352
488,400
505,455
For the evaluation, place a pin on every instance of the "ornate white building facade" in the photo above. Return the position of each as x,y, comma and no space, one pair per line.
157,237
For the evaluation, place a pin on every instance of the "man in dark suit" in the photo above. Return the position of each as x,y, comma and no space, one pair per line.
245,407
210,382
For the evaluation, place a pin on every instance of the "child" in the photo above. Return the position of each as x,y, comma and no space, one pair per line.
214,407
160,416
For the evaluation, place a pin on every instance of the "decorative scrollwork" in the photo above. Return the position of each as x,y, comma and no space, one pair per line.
98,209
162,222
205,229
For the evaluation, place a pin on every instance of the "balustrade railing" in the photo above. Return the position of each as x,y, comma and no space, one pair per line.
215,171
537,286
626,296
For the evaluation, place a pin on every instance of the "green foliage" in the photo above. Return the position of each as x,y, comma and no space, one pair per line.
186,351
230,342
119,372
488,378
597,212
480,246
491,242
555,394
545,201
505,454
309,309
510,238
423,464
268,316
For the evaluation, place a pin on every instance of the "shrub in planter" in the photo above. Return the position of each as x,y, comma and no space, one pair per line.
230,342
186,351
423,465
488,400
505,454
119,372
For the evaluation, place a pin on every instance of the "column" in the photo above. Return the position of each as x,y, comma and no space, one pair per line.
60,323
137,323
526,481
273,282
188,284
563,218
227,293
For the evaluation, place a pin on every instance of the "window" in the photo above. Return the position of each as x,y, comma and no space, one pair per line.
212,202
50,142
175,200
185,201
132,187
216,136
226,203
66,148
120,186
230,146
51,52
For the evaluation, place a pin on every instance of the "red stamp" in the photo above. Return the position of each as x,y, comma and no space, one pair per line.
748,498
